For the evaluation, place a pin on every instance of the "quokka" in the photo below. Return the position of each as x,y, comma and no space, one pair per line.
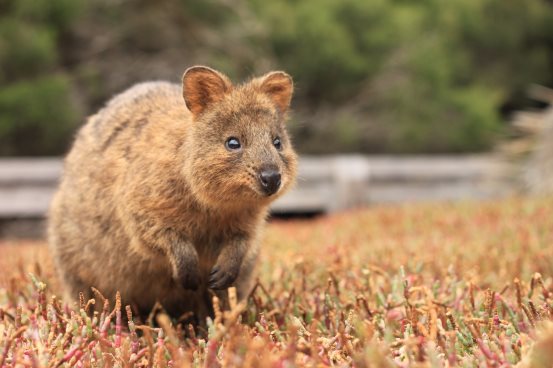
166,189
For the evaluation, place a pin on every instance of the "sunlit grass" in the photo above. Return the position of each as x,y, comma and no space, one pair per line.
422,285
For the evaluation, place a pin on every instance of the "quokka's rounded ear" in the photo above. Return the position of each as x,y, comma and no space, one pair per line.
202,86
279,87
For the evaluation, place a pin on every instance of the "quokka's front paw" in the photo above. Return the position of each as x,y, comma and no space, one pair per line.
223,275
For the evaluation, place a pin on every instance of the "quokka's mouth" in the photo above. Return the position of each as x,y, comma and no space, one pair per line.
259,194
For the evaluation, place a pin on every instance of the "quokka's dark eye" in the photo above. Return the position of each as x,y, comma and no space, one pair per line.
277,143
233,144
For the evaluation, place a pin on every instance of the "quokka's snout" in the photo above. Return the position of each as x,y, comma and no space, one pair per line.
270,179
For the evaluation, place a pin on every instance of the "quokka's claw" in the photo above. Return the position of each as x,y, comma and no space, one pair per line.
220,279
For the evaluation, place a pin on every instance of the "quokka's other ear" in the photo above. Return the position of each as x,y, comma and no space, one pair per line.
202,86
279,87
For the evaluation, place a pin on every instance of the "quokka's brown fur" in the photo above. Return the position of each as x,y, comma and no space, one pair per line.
156,203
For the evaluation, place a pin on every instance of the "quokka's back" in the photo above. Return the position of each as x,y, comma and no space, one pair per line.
165,190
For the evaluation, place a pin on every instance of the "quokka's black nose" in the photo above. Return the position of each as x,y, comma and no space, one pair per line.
270,181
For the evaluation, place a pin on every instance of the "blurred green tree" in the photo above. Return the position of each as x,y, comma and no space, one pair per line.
433,74
371,76
37,114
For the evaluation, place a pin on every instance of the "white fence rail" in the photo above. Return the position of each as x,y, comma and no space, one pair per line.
325,183
339,182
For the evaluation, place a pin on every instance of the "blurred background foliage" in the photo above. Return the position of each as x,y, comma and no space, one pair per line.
394,76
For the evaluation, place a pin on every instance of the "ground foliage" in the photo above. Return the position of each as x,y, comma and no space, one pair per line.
465,285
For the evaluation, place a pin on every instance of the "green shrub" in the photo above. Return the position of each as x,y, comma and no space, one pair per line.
371,76
436,74
58,14
25,50
37,113
331,47
36,116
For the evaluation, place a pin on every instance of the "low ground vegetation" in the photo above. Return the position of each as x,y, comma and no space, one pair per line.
466,285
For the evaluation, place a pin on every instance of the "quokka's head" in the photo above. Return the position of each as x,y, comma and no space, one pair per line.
238,151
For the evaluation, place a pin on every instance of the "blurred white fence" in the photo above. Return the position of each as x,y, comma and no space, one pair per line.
325,184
